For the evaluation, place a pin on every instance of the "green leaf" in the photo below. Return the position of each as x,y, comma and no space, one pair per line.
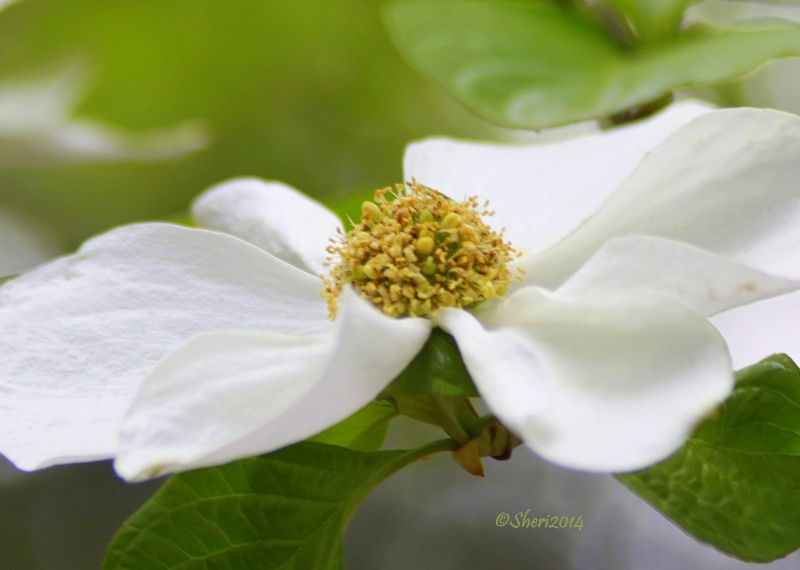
363,431
736,483
285,510
649,19
437,369
540,63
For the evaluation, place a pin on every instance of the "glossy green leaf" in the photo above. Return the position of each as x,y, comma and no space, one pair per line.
285,510
736,483
541,63
437,369
363,431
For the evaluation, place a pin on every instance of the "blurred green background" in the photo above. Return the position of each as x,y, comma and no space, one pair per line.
308,92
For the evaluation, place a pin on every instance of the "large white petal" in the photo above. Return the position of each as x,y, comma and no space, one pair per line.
705,282
231,394
726,182
78,335
540,193
625,376
273,216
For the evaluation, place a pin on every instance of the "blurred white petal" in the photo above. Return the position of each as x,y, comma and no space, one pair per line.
37,125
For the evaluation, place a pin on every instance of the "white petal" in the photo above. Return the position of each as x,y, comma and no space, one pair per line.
705,282
212,391
40,102
80,333
94,141
625,376
228,395
726,182
6,3
273,216
35,127
540,193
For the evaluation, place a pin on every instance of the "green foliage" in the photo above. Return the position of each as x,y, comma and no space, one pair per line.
285,510
648,20
736,483
363,431
540,63
437,369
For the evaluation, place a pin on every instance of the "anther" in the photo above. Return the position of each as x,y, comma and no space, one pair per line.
425,245
370,211
451,221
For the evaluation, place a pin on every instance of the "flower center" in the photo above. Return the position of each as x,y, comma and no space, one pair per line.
416,251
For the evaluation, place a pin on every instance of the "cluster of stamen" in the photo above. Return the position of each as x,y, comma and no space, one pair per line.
416,251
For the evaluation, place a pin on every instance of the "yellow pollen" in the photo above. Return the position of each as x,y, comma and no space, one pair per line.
416,251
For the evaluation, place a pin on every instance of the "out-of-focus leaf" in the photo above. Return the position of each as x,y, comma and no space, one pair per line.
538,63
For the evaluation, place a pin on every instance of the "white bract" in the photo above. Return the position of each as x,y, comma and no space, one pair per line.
172,348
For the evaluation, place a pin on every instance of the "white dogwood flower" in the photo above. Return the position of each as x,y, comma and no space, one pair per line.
172,348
